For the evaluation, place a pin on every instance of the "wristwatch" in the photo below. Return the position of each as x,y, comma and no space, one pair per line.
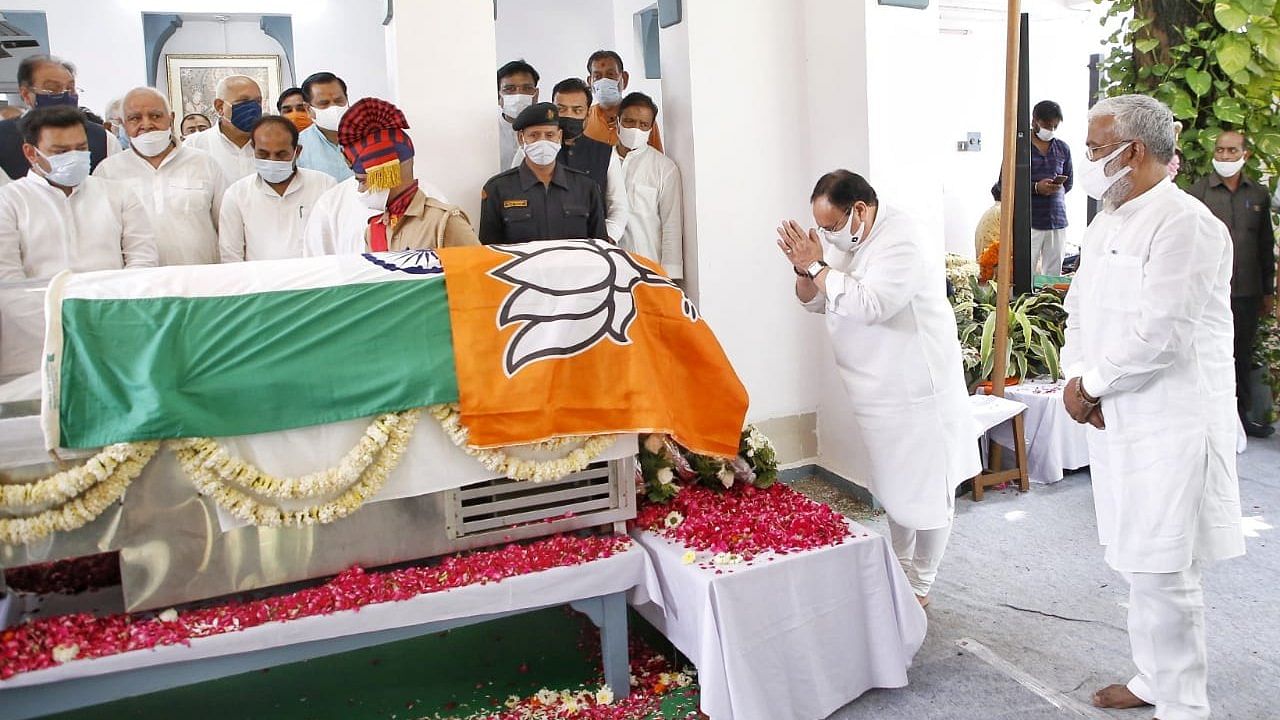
814,268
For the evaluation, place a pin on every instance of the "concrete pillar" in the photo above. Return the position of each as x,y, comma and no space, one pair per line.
441,59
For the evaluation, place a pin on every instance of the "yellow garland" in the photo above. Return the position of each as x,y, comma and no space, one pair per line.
63,486
214,459
504,464
126,462
397,427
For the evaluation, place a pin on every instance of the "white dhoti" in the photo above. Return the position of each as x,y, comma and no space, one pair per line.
1166,632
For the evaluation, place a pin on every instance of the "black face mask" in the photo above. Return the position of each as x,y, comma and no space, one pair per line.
572,127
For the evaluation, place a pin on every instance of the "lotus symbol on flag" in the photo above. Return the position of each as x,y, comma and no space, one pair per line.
570,295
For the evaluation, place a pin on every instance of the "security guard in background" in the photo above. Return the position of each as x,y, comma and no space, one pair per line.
541,199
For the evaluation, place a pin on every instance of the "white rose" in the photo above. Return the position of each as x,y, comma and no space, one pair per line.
604,696
665,476
653,443
169,616
65,653
726,476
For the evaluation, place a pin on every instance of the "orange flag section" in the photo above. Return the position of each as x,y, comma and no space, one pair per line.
577,337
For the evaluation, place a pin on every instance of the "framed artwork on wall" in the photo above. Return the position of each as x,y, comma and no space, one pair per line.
193,79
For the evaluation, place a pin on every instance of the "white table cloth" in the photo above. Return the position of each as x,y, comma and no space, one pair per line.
627,571
1055,442
798,636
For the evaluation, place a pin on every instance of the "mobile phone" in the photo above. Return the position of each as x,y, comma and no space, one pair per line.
1059,179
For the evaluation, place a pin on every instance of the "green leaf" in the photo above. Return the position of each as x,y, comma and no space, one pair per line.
1199,82
1146,45
1229,110
988,337
1233,54
1230,15
1139,23
1183,107
1257,8
1267,143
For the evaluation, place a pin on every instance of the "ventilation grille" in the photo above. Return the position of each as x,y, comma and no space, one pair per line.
502,504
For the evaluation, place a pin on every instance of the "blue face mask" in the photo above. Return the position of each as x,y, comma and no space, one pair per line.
63,98
245,114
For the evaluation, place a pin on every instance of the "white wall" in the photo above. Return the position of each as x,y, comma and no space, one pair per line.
446,89
972,91
104,38
555,36
750,175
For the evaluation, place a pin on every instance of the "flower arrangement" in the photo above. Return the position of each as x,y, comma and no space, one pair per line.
49,641
78,495
664,461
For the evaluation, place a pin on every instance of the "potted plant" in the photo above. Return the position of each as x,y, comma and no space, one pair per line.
1037,328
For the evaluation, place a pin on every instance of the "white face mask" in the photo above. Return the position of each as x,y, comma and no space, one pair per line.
607,92
1094,178
67,169
375,199
1228,169
542,152
151,144
633,138
274,171
1045,134
328,118
513,105
842,239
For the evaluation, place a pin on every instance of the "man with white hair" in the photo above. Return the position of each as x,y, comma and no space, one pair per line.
1149,354
238,105
180,187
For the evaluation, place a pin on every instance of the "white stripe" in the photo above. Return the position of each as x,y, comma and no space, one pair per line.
243,278
1053,697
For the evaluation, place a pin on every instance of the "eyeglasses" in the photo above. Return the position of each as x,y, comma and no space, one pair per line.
518,89
1094,155
843,221
45,91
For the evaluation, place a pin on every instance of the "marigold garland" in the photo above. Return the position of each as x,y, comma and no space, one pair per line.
194,455
501,462
111,470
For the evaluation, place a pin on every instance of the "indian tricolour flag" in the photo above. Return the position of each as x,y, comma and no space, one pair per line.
533,341
243,348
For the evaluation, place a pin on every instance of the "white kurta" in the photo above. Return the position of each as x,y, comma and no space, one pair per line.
338,220
1150,332
182,198
236,161
894,336
43,231
655,227
259,224
100,226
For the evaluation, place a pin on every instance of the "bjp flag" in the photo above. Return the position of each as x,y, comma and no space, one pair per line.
578,337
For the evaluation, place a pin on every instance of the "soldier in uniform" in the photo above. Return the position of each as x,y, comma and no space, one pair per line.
540,199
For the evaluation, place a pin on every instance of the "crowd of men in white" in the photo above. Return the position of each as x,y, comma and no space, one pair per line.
165,192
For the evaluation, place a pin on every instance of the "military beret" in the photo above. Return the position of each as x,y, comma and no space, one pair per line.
537,114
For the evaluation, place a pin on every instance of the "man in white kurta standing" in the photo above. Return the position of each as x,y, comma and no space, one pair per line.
58,218
1149,354
894,336
655,225
264,214
180,187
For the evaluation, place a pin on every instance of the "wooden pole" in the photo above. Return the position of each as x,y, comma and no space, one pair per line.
1004,264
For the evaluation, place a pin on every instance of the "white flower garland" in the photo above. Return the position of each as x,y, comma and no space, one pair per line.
86,492
391,432
214,459
503,463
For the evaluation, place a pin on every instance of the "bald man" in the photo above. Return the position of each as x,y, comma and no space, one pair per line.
238,105
180,187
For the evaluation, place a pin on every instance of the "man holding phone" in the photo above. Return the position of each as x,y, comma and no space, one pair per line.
1051,179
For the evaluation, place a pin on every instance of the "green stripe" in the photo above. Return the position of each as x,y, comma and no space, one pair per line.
149,369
